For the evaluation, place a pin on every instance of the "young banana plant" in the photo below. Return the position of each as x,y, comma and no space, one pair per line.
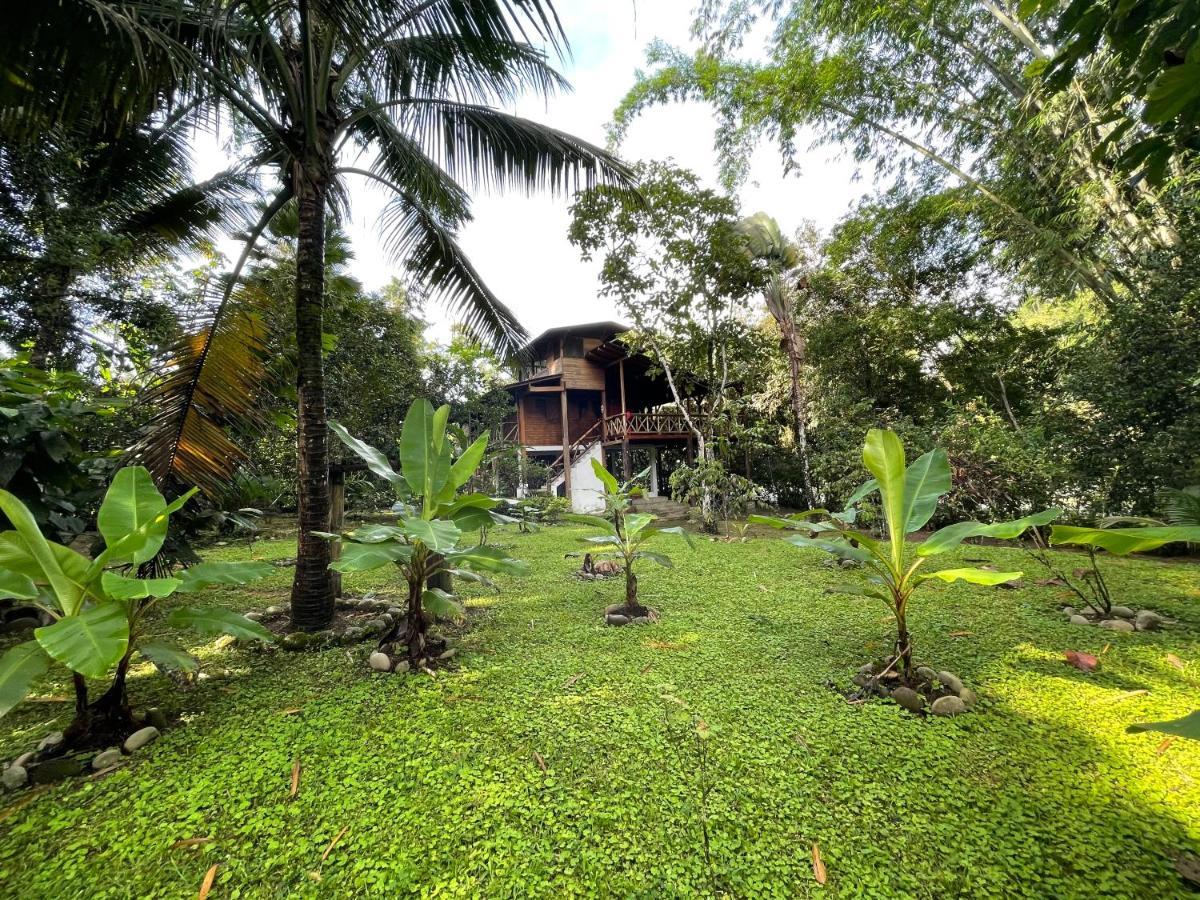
909,495
625,534
433,518
99,610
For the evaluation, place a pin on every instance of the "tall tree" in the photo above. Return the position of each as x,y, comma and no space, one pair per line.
781,257
406,85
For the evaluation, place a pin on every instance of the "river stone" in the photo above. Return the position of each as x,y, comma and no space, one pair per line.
56,769
614,609
908,698
14,777
1069,611
448,655
948,706
25,759
380,662
376,624
254,615
403,666
1123,612
296,640
614,619
395,611
967,696
862,679
926,674
52,741
1148,620
640,620
1080,620
1117,625
950,680
157,718
109,757
141,738
866,669
273,611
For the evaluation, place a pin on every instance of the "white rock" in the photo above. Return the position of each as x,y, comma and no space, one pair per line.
51,741
109,757
1122,612
1148,620
950,680
380,662
141,738
948,706
402,667
25,758
1080,620
14,777
1117,625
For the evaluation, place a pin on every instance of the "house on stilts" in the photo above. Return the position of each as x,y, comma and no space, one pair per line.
582,396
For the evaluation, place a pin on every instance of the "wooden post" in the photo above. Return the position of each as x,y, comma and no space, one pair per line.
566,443
626,469
337,521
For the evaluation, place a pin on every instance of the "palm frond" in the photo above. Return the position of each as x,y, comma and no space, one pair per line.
429,250
1181,506
496,150
210,384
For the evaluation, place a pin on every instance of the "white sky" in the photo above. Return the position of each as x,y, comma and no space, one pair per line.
519,244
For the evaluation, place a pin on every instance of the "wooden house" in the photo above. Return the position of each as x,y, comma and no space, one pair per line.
584,396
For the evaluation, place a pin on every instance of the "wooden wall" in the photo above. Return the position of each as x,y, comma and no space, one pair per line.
543,416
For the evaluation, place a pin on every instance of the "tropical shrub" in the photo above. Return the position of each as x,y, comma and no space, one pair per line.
625,534
100,607
433,517
909,498
731,495
550,508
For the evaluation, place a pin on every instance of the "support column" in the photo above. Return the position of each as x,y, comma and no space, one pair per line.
626,469
653,471
522,485
337,522
566,443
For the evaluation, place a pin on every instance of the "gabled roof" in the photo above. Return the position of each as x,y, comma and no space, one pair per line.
601,330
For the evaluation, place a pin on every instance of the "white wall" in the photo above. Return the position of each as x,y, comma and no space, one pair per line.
587,491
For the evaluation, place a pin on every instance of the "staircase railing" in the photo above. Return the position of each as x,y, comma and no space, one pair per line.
578,448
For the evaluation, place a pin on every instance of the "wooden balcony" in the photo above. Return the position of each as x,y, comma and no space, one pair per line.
646,426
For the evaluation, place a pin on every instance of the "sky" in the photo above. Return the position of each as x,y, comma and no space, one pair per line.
519,243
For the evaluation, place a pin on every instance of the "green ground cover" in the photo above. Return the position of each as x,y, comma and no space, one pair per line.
703,755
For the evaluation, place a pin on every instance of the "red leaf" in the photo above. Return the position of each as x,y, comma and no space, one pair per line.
1084,662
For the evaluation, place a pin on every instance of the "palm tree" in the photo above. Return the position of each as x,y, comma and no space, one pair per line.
398,93
765,242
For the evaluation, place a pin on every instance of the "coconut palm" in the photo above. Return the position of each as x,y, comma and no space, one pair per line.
766,243
398,94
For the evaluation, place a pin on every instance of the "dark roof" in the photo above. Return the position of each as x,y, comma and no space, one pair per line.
602,330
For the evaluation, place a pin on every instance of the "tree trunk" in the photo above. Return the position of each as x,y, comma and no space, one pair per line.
793,348
414,635
312,590
903,648
54,320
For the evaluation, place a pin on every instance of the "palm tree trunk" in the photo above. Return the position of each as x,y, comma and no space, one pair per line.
53,316
794,350
312,590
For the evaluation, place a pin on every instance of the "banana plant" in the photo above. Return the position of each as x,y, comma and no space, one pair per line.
625,534
99,609
909,496
433,517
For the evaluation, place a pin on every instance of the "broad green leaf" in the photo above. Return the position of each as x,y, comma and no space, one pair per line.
45,564
868,487
89,643
470,518
1187,727
858,590
168,656
16,586
603,539
487,559
1120,541
118,587
971,576
416,446
606,477
952,535
364,557
925,481
464,467
473,577
635,522
131,502
839,548
677,530
1172,91
441,604
595,521
375,534
143,543
217,620
438,535
206,574
376,461
20,667
883,455
661,558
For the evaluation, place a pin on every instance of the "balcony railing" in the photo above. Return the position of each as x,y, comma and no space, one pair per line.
635,424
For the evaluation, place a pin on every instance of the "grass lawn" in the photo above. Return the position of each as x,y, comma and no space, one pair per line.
564,758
